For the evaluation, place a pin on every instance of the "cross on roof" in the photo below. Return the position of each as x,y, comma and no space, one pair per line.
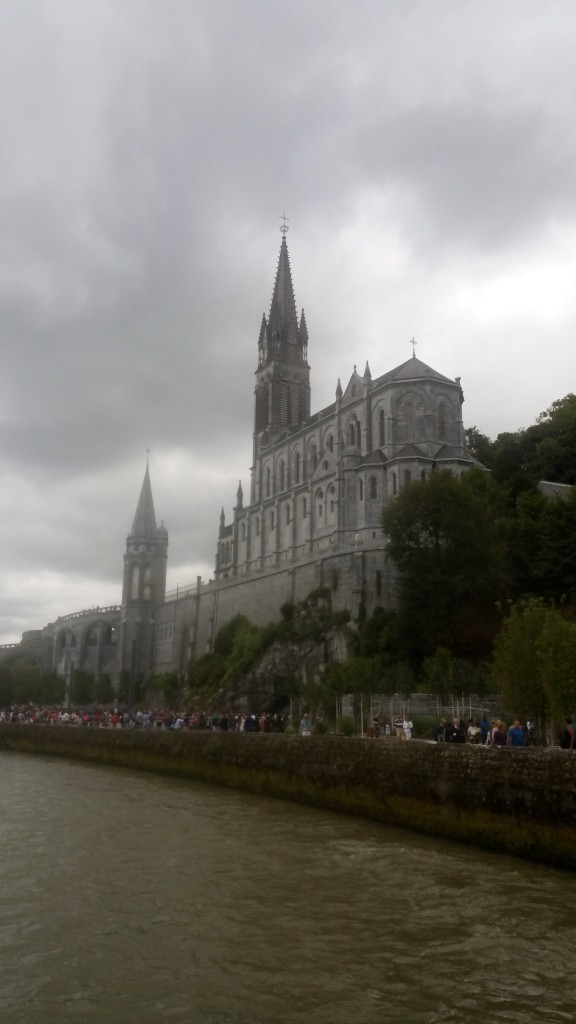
284,227
413,342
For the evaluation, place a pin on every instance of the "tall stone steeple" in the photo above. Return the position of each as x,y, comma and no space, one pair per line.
283,376
144,586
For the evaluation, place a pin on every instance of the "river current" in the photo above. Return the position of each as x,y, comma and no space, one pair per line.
135,898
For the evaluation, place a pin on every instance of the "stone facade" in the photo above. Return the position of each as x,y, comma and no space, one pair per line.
317,488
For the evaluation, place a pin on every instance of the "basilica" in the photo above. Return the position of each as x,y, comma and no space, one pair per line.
311,519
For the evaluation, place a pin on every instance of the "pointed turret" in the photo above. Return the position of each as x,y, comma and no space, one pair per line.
283,320
144,585
283,375
144,525
239,496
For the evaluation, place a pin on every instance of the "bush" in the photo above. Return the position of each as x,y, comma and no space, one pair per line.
347,726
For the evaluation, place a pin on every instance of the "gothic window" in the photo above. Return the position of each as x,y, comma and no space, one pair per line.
297,468
352,434
304,508
243,531
361,489
407,477
442,421
268,481
358,435
282,475
134,582
330,443
410,421
423,474
373,487
394,484
287,514
319,504
147,588
381,428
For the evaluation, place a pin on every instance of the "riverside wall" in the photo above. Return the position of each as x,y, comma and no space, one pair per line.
521,802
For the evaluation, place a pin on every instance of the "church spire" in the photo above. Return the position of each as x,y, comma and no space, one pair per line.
144,525
283,319
282,394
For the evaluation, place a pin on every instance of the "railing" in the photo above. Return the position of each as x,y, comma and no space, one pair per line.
175,595
90,611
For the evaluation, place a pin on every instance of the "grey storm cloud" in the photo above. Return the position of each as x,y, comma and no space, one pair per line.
425,156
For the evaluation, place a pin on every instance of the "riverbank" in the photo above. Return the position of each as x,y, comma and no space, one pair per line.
521,802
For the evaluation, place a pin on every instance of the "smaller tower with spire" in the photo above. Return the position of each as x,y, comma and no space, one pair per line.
144,585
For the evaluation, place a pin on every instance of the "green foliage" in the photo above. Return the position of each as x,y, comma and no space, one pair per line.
534,658
103,689
347,726
446,537
81,687
6,686
53,688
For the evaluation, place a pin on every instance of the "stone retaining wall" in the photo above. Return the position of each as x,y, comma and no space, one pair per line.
521,802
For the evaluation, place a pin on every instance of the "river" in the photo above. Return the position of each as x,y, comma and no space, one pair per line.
135,898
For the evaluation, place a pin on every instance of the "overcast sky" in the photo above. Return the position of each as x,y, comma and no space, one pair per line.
424,151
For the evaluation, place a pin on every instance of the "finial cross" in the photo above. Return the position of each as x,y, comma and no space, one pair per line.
284,227
413,342
147,450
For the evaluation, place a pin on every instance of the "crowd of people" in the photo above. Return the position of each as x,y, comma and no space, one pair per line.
484,732
115,718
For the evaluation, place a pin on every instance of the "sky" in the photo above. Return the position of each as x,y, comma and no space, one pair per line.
424,152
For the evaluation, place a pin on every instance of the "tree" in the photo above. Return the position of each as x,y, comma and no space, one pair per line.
27,681
82,687
516,662
534,657
103,690
6,686
446,538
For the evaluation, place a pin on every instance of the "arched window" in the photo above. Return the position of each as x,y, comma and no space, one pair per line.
287,514
410,421
407,477
361,489
352,434
358,434
297,468
373,487
394,484
381,428
134,582
423,474
320,504
442,421
282,475
330,443
268,481
304,507
147,587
